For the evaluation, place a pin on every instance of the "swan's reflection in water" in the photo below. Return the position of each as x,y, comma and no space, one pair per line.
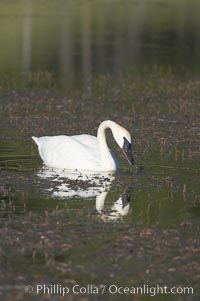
66,184
119,209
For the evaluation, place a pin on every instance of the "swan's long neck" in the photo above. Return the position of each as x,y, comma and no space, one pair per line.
101,134
106,157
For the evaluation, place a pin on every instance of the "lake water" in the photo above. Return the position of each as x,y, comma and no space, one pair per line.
76,40
65,66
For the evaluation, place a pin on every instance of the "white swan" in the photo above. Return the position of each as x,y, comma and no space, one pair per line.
85,152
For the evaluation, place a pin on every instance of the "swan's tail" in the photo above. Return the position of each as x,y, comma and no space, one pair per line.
36,140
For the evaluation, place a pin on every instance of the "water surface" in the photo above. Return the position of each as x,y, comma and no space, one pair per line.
61,228
64,69
74,41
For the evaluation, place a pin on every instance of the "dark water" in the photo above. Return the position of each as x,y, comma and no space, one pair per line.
135,62
77,40
60,228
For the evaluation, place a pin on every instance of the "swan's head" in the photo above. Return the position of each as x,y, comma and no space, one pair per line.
123,139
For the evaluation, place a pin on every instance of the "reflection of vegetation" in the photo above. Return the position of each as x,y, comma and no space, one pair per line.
81,36
32,80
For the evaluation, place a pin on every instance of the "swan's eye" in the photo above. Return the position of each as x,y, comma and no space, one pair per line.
126,141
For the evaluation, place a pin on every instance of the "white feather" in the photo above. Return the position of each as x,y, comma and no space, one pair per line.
81,152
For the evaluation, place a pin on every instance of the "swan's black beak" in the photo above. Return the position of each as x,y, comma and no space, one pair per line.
127,151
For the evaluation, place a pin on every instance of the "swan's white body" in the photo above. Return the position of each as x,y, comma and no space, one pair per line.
82,152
